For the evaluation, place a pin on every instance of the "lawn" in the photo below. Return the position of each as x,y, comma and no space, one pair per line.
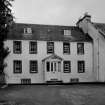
54,94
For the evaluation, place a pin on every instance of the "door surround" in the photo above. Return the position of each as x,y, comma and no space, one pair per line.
52,68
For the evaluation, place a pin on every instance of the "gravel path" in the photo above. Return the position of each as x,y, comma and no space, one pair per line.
54,95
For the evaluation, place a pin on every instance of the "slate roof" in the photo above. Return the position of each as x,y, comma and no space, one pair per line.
100,27
46,33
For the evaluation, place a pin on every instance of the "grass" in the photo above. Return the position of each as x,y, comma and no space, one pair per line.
54,94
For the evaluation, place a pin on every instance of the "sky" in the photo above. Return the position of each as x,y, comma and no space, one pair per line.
57,12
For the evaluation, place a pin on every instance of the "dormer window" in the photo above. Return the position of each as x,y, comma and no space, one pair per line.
67,32
27,31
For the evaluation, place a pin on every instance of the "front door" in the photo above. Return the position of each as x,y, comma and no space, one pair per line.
53,70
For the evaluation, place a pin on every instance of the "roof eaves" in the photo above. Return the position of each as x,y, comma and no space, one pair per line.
102,33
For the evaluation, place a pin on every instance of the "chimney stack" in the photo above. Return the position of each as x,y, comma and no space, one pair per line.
86,18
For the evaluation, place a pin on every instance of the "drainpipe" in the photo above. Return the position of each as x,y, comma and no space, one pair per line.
98,60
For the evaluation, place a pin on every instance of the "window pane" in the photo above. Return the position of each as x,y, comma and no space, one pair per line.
27,30
48,66
17,47
17,66
81,66
66,48
67,66
33,67
33,47
80,48
50,47
67,32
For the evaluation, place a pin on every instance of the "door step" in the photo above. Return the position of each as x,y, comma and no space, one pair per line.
54,82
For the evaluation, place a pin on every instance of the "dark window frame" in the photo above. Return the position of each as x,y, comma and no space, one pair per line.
50,46
80,48
65,64
33,69
19,62
65,49
17,47
33,47
81,66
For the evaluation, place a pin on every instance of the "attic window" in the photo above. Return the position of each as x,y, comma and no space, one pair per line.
67,32
27,31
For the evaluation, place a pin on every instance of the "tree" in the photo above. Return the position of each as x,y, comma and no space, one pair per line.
6,18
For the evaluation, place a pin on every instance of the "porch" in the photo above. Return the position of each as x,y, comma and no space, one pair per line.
52,68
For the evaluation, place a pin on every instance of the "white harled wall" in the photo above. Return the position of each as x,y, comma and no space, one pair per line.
98,49
42,53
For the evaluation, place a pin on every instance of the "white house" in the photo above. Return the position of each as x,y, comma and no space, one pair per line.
48,53
97,32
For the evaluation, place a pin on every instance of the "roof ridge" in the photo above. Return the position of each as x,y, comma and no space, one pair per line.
45,24
98,23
